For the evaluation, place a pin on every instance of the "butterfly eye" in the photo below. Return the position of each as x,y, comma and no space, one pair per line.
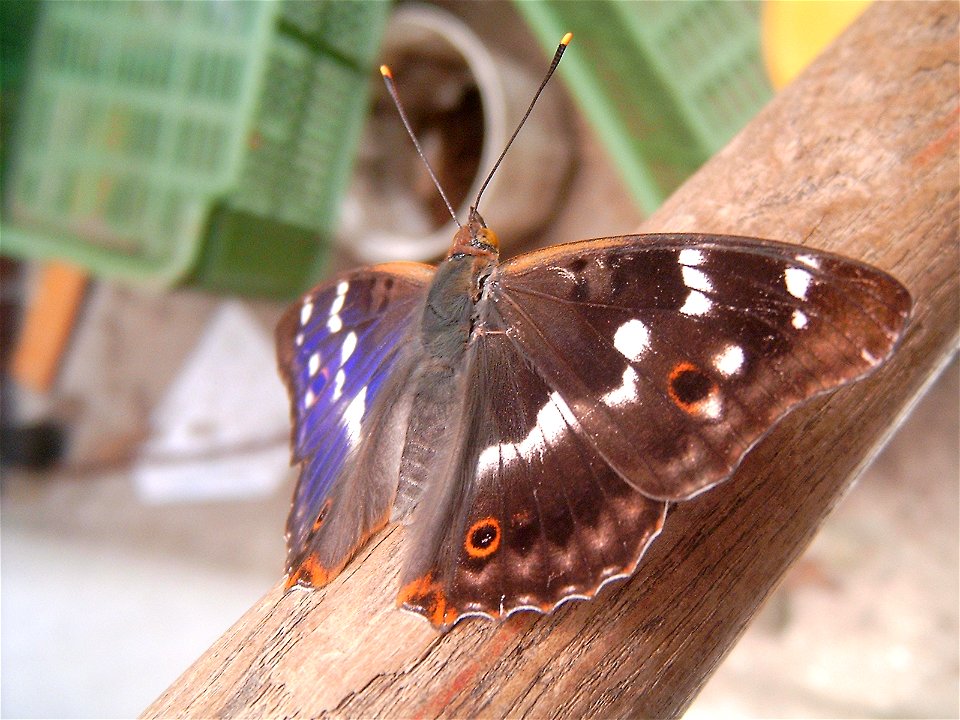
483,538
488,237
692,390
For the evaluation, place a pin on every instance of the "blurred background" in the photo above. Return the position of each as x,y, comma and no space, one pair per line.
173,173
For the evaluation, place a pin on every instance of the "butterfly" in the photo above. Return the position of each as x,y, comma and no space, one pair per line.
530,421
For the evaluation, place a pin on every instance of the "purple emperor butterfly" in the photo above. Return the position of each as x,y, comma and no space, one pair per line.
530,421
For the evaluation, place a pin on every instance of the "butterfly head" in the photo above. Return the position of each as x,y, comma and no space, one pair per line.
475,238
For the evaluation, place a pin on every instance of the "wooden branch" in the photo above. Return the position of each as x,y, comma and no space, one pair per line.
858,156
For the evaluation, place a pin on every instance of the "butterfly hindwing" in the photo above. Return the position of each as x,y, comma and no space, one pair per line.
527,514
676,353
341,355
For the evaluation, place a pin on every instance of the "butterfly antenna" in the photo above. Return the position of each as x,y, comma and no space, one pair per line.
391,88
553,66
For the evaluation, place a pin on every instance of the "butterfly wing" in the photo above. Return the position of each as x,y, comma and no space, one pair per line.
527,514
676,353
343,358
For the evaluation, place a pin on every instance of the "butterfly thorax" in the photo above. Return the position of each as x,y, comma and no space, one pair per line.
450,312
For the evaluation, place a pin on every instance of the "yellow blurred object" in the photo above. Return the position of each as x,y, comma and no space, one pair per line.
795,31
47,325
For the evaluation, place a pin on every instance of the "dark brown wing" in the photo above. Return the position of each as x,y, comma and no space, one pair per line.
676,353
528,514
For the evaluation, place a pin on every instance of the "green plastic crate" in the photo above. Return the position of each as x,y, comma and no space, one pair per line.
665,84
206,141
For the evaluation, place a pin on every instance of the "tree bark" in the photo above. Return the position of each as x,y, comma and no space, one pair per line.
859,156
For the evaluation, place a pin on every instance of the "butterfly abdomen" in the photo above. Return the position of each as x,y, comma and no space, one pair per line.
424,447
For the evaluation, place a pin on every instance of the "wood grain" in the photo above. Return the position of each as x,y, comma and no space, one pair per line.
860,156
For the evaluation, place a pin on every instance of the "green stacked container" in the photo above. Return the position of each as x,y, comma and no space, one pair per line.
207,141
665,84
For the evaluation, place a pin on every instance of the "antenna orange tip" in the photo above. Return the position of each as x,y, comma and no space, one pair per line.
566,39
385,71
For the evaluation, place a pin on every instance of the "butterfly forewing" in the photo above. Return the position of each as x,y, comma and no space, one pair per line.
527,515
341,354
676,353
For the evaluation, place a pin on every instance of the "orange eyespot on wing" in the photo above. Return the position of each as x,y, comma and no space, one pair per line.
691,389
483,538
321,516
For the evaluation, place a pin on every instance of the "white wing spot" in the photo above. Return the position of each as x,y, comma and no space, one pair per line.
696,279
305,312
309,399
299,339
711,407
349,345
552,420
810,260
338,381
334,323
797,281
697,304
691,256
799,320
337,305
353,415
313,365
868,356
729,361
489,459
626,392
632,339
